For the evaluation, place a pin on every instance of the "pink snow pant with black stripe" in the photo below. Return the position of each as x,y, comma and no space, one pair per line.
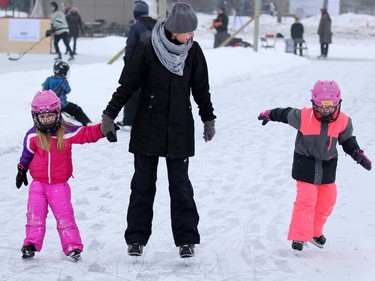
57,196
312,207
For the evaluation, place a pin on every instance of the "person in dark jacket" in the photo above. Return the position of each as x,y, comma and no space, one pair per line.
325,34
296,32
75,27
221,26
320,128
168,68
140,31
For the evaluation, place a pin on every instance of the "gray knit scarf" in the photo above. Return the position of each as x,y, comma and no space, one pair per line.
172,56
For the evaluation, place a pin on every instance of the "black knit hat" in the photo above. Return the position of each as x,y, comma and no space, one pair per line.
55,5
140,8
181,19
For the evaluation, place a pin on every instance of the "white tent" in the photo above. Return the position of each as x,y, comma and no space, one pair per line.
305,8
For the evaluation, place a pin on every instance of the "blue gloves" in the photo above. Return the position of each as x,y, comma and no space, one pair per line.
361,159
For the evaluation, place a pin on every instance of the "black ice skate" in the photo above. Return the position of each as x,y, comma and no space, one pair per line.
28,251
319,241
187,251
75,254
135,249
297,245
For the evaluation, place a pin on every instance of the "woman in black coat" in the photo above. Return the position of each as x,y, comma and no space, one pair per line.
75,26
168,68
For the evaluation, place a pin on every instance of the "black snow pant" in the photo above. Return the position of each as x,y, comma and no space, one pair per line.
130,108
220,37
77,112
184,214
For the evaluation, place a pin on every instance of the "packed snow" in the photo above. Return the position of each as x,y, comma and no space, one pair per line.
242,178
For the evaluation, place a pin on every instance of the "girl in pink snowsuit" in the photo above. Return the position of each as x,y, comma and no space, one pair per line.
47,153
320,128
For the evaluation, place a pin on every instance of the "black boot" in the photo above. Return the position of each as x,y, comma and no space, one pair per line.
187,251
135,249
75,254
319,241
28,251
297,245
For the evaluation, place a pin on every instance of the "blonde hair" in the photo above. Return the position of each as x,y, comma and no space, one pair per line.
45,138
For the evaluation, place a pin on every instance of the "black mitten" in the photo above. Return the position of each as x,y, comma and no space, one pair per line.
361,159
21,177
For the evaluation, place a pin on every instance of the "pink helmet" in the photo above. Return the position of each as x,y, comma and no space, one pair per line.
45,101
326,93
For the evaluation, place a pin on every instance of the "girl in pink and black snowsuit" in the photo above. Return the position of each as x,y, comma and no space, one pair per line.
47,153
320,128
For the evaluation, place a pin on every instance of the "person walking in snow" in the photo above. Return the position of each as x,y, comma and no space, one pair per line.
47,153
140,31
74,21
60,85
320,128
221,26
325,34
168,68
59,30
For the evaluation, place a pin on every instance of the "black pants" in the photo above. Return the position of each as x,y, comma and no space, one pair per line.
64,37
220,37
184,214
324,49
76,112
298,44
74,43
130,108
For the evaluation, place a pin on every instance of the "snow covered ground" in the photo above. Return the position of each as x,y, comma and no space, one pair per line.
243,188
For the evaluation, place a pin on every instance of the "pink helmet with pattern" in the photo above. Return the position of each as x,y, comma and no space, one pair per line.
326,101
326,93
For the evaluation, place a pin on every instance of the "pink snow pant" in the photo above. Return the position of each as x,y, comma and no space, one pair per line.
312,207
57,196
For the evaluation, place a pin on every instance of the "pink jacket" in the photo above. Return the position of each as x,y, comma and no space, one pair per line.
55,166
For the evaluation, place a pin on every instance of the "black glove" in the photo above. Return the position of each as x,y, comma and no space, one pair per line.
208,130
48,33
21,177
265,116
361,159
109,128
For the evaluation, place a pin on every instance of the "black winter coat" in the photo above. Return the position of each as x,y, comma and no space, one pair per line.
75,24
163,124
139,31
296,30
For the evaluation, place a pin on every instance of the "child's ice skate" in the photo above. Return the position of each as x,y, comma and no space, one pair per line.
319,241
28,251
75,254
